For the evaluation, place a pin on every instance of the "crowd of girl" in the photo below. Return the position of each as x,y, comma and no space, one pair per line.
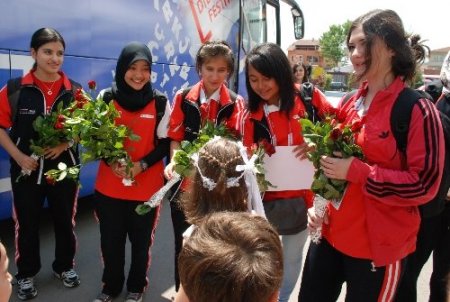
363,243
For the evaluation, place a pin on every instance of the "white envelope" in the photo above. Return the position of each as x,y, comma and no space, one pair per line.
287,172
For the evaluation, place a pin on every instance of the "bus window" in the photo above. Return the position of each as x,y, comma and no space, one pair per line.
253,24
271,16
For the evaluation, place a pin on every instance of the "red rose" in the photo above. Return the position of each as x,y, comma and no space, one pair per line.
336,133
356,126
92,85
268,147
59,125
50,180
78,94
61,118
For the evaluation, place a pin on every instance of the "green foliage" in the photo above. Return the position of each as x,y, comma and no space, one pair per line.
182,157
333,43
88,121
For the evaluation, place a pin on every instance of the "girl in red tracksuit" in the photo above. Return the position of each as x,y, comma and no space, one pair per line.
274,110
39,93
208,100
366,241
115,203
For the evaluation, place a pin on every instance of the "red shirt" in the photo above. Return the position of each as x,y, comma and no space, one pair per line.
142,123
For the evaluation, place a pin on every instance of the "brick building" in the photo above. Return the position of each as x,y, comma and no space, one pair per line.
305,51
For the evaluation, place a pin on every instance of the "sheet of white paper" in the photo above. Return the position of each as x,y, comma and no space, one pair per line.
287,172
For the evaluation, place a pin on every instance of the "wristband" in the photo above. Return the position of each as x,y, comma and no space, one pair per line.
143,165
70,144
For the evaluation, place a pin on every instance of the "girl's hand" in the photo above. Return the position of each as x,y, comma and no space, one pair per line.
119,169
55,152
27,163
168,171
301,151
335,168
315,222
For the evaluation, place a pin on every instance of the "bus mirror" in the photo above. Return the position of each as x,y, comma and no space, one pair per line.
299,23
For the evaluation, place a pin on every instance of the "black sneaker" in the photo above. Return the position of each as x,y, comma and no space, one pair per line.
133,297
26,289
103,298
69,278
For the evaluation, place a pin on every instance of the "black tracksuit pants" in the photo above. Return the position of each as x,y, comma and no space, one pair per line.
179,226
118,219
433,236
29,199
326,269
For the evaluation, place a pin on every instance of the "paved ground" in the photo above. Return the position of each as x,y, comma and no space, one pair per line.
89,266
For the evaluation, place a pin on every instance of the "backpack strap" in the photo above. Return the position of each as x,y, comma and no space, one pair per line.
401,116
306,95
160,106
13,88
108,95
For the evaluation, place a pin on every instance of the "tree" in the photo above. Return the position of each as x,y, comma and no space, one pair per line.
333,43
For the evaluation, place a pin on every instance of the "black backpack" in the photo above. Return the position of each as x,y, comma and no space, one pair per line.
400,120
306,95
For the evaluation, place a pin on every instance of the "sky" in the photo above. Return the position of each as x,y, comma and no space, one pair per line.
427,18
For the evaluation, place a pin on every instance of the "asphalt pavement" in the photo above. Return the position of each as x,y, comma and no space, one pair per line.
89,266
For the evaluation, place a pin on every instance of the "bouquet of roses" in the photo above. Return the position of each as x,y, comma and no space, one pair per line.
183,161
329,137
90,122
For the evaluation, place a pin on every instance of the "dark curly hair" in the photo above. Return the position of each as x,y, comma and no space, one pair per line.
387,26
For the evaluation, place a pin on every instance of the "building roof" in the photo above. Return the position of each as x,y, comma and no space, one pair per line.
304,42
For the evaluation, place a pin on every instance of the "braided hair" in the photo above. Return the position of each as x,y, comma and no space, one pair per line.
217,161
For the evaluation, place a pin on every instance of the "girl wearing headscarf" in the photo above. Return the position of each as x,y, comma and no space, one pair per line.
115,203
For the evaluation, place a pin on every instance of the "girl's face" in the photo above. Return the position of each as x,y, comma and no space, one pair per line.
357,50
5,277
266,88
381,55
214,72
138,74
299,74
49,58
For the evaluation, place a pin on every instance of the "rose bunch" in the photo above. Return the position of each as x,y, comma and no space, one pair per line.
182,157
51,129
88,121
330,137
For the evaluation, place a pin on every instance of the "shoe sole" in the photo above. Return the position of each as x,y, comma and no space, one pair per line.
27,297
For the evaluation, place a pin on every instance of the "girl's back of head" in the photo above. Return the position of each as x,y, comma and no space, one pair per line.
212,188
232,257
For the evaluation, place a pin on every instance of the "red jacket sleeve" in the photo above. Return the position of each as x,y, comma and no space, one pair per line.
235,120
5,109
321,103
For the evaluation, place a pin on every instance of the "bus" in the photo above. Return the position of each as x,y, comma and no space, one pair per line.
95,32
